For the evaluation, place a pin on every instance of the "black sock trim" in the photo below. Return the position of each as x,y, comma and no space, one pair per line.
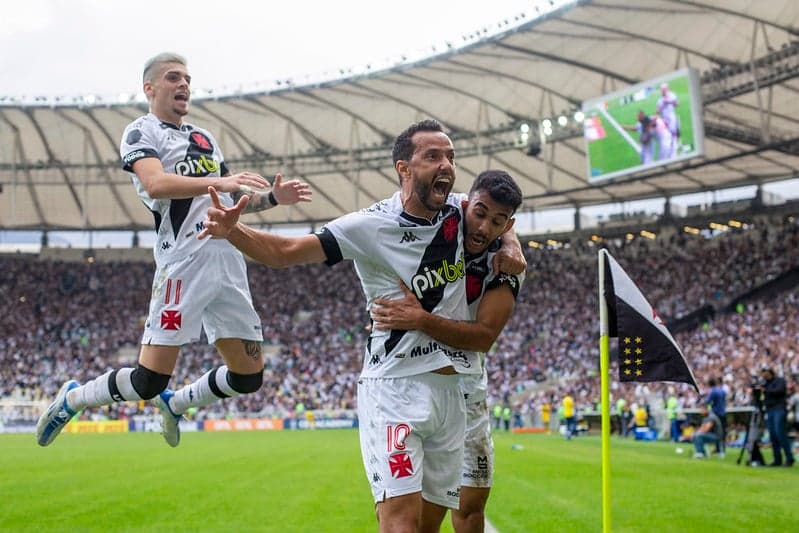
213,386
112,387
245,383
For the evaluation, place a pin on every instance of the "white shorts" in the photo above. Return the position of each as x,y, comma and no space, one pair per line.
208,289
478,449
411,432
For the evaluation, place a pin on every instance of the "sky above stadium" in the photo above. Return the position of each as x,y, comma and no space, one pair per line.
77,47
98,47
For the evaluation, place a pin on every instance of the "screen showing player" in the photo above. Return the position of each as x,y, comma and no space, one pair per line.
644,126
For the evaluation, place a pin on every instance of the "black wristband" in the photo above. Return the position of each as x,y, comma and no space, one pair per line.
272,199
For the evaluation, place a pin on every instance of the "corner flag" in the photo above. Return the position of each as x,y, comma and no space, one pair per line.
647,351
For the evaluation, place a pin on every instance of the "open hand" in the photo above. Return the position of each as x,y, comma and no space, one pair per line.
220,220
290,192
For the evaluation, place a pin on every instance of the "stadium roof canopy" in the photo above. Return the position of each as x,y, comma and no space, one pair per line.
59,159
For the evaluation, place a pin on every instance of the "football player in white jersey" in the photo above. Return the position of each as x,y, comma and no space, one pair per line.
493,200
667,109
411,411
197,284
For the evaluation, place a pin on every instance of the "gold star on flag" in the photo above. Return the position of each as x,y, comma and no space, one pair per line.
628,362
654,353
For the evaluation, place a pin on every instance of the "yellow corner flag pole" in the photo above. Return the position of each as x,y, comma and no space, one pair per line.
604,364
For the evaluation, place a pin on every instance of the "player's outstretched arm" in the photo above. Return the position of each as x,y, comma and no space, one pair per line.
267,248
161,184
407,313
281,193
510,257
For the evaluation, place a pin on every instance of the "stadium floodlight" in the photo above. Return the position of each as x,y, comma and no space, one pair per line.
562,120
735,223
524,128
648,234
547,124
629,236
691,230
719,227
579,116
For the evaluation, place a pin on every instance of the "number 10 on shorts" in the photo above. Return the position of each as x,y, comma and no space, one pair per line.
396,435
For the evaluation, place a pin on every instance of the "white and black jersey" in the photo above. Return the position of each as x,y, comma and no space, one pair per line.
387,244
481,278
188,151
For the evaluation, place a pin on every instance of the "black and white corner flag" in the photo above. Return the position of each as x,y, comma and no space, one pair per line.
647,351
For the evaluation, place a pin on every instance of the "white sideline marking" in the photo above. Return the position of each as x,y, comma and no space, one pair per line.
489,528
621,130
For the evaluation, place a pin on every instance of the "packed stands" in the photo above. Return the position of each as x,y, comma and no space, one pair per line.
64,319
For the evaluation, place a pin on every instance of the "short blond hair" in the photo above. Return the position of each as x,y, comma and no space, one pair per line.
152,65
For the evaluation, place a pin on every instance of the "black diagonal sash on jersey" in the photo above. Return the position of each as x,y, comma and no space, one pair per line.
198,162
443,248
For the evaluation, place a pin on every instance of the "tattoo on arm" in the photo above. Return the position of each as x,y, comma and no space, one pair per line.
259,202
252,349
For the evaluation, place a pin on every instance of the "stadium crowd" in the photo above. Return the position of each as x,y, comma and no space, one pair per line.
73,320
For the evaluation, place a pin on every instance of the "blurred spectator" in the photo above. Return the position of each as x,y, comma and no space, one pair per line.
68,319
709,431
774,401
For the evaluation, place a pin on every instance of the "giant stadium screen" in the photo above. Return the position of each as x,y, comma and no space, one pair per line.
646,125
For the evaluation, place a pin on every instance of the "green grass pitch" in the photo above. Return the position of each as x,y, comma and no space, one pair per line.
313,481
613,153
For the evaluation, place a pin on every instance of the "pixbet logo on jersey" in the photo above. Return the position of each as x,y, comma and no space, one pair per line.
196,167
431,278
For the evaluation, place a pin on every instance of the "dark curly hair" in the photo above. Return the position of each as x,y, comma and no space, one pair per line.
500,186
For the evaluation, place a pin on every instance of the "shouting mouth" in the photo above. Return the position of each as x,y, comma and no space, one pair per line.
442,185
476,243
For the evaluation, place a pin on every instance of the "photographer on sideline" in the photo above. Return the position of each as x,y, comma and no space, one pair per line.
774,396
709,431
